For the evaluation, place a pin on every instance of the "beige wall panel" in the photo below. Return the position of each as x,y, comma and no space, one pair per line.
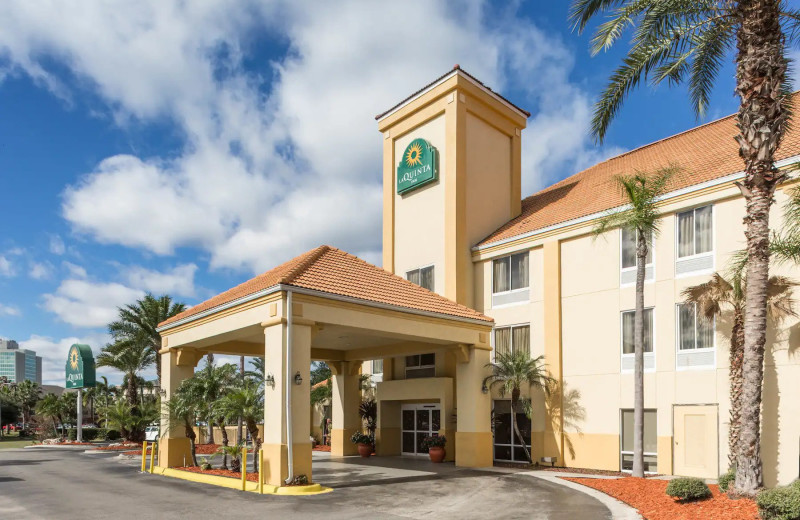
590,265
599,400
419,215
651,390
593,450
591,334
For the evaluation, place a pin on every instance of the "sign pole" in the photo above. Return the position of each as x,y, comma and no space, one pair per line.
80,415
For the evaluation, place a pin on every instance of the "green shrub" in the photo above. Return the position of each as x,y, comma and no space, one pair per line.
688,488
112,435
89,434
361,438
434,441
726,479
781,503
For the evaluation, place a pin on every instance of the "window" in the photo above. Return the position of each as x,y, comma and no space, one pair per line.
510,273
628,251
508,340
507,446
628,318
650,441
695,232
695,339
377,370
694,332
420,365
422,277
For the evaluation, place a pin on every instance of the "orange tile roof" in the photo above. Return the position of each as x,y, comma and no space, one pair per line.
330,270
704,153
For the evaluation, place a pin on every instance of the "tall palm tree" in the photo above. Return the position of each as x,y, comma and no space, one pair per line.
25,395
50,407
130,358
682,40
181,411
245,401
640,217
208,386
717,296
511,372
137,324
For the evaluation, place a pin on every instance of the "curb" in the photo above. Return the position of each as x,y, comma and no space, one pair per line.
619,510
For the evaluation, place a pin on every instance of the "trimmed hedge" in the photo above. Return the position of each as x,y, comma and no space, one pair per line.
89,434
726,479
781,503
688,488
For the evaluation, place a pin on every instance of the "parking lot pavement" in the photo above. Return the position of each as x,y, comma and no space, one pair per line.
48,483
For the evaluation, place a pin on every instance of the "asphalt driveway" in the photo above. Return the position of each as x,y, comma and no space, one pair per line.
52,483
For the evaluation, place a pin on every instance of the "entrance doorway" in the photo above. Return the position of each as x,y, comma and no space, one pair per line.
418,421
507,446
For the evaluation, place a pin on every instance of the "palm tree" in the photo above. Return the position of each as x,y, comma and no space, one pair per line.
717,296
245,401
640,217
208,386
181,411
130,358
51,407
680,40
25,395
512,371
137,324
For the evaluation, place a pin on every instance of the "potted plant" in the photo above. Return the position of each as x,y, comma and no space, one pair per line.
435,446
364,442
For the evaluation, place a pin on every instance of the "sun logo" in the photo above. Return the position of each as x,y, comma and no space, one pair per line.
73,359
414,155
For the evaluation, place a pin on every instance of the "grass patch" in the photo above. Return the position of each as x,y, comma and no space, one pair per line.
13,441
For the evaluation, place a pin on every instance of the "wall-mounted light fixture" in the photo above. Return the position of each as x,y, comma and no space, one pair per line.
298,379
163,392
484,389
270,380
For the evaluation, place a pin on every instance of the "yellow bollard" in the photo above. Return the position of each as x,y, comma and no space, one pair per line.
244,467
144,456
260,473
152,456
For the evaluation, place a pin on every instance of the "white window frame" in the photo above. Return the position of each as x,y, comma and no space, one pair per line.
678,350
377,377
432,266
421,366
622,341
711,254
651,264
511,326
518,291
646,453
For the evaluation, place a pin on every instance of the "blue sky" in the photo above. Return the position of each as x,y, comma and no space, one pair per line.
181,147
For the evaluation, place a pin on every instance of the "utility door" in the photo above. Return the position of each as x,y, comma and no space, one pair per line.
695,441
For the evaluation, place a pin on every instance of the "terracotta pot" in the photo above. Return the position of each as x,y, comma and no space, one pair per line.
436,454
365,450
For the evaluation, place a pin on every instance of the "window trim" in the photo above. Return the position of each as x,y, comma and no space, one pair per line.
513,435
420,268
678,350
406,368
511,291
711,253
622,340
645,453
510,326
651,264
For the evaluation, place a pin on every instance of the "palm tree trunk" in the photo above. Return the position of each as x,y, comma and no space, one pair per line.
760,74
224,434
638,358
239,424
252,427
189,432
735,378
514,403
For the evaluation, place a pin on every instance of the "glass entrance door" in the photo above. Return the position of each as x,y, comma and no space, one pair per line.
507,446
417,422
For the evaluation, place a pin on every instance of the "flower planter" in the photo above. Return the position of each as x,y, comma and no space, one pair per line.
365,450
437,454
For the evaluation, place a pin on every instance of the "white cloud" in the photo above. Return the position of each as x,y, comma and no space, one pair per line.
176,282
40,270
54,355
9,310
279,160
82,303
75,271
57,246
6,267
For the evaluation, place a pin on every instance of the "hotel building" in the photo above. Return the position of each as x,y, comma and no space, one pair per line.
471,268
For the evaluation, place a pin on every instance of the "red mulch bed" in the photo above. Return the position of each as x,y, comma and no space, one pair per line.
72,444
206,449
650,498
251,477
320,447
122,447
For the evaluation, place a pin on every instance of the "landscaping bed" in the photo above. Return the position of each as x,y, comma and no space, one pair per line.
649,497
206,449
583,471
120,447
320,447
251,477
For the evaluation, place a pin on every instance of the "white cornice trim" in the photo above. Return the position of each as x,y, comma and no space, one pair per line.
677,193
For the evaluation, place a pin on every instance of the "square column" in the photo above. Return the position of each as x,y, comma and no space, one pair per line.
473,410
345,401
275,463
174,448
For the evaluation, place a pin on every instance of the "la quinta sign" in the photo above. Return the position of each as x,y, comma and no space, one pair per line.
418,166
80,367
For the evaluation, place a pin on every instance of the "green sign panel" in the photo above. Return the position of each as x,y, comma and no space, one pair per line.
80,367
418,166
